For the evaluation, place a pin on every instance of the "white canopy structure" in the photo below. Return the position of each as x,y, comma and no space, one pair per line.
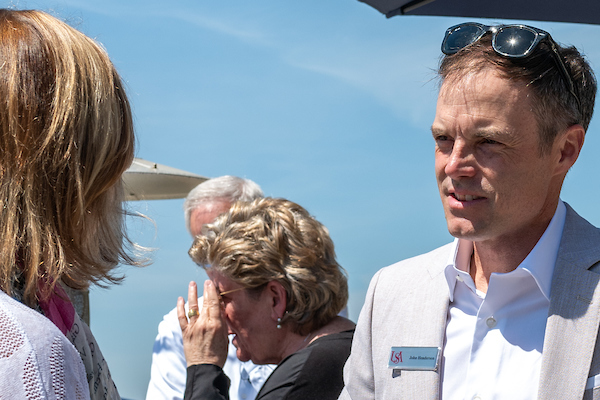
146,180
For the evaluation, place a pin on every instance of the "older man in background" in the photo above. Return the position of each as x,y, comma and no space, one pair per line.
168,373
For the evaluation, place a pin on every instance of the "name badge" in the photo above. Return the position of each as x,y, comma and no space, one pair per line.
414,358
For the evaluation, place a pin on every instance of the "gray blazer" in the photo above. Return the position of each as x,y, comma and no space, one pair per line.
407,304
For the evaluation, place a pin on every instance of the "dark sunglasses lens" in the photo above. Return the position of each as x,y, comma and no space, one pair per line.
460,37
514,41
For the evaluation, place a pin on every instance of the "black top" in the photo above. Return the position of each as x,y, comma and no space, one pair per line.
314,372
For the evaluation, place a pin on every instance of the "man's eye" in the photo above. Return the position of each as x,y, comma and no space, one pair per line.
444,143
490,141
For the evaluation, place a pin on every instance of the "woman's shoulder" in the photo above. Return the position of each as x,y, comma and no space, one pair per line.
340,337
31,343
314,372
331,347
22,321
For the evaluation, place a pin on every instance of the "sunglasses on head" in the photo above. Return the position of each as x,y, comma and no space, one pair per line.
512,41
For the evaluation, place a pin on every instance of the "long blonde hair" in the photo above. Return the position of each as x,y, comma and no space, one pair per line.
66,137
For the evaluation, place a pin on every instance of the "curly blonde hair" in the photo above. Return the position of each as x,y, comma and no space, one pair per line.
66,137
277,240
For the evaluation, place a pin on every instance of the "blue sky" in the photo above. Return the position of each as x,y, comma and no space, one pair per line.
326,103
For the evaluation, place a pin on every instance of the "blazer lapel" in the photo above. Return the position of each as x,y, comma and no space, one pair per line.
426,384
574,314
428,328
413,304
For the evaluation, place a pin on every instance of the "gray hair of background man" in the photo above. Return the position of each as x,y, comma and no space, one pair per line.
228,188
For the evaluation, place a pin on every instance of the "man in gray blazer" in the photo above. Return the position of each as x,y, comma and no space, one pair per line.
511,308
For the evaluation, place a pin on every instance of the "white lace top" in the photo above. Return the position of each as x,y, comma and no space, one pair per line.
36,360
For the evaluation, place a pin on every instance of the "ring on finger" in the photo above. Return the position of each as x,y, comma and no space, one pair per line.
193,312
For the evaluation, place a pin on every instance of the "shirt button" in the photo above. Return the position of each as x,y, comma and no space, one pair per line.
244,395
476,397
491,323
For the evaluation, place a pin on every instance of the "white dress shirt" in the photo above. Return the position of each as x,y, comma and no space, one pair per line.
494,340
169,368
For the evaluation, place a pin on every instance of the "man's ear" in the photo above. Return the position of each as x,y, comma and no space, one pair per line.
569,146
278,296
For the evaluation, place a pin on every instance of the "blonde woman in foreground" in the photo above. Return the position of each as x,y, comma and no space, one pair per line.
66,137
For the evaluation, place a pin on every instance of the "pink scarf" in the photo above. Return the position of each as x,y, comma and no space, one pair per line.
59,309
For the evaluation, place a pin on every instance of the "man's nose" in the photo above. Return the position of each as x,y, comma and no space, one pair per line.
461,161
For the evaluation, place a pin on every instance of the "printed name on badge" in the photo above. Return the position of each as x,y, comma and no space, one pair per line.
414,358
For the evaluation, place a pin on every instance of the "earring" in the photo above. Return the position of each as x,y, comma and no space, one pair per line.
278,323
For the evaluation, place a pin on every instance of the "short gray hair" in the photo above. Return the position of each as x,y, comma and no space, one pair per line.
223,188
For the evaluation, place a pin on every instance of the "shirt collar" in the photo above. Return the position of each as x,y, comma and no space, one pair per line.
457,267
539,262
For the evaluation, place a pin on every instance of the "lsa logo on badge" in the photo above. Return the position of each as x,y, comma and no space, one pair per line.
414,358
396,357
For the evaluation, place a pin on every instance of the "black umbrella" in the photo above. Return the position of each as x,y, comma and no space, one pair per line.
582,11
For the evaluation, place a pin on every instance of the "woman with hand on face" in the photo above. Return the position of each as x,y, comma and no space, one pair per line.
276,285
